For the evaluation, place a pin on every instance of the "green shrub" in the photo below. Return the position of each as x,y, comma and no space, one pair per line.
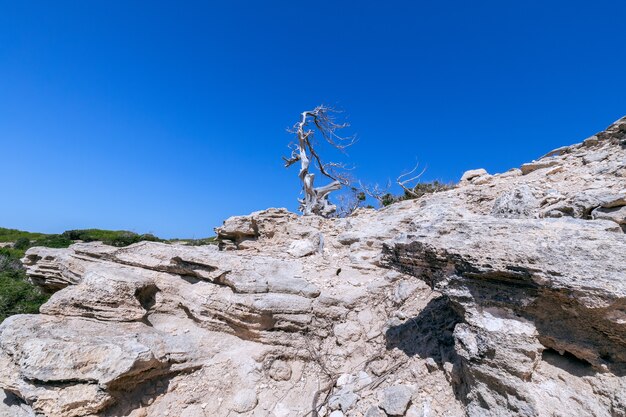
388,199
22,243
12,235
52,241
109,237
10,258
201,242
424,188
17,295
420,190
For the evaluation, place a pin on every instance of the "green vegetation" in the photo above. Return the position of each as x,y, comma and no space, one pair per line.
418,191
17,295
109,237
12,235
24,240
195,242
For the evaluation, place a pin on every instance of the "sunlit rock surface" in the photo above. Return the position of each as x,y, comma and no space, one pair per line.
503,296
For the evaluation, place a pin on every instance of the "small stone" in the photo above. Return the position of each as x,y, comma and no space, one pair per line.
374,411
343,400
393,276
400,314
535,165
431,365
617,214
348,238
244,401
396,400
414,411
301,248
379,366
346,332
336,413
590,141
470,175
483,179
403,291
343,379
280,371
362,380
513,172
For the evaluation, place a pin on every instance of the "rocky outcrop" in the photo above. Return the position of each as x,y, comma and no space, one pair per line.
503,296
520,297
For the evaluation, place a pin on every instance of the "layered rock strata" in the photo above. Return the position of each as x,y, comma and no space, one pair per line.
503,296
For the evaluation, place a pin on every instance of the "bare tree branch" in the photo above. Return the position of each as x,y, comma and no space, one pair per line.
377,192
402,181
315,200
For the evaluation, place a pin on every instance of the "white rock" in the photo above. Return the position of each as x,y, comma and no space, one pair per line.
396,399
472,174
244,401
300,248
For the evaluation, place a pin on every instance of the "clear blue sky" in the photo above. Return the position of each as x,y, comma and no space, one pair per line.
168,117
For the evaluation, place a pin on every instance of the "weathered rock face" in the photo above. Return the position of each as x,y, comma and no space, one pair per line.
503,296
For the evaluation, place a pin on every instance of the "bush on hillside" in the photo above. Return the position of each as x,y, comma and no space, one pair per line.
22,243
419,190
17,295
109,237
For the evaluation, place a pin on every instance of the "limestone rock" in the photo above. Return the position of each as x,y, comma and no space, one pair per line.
502,297
616,214
280,371
517,203
344,400
244,401
303,247
471,175
238,228
535,165
396,400
374,412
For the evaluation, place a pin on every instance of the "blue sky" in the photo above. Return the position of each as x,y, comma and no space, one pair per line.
168,117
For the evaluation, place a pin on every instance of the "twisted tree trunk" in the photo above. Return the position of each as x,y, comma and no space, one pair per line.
315,200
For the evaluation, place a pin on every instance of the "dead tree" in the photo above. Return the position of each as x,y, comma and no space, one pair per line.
378,193
408,182
315,200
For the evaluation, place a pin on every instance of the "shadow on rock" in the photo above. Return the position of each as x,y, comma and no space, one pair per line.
429,334
129,397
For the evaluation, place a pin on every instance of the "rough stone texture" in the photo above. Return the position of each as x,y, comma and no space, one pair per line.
374,412
535,165
503,296
472,174
396,400
517,203
615,214
244,401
